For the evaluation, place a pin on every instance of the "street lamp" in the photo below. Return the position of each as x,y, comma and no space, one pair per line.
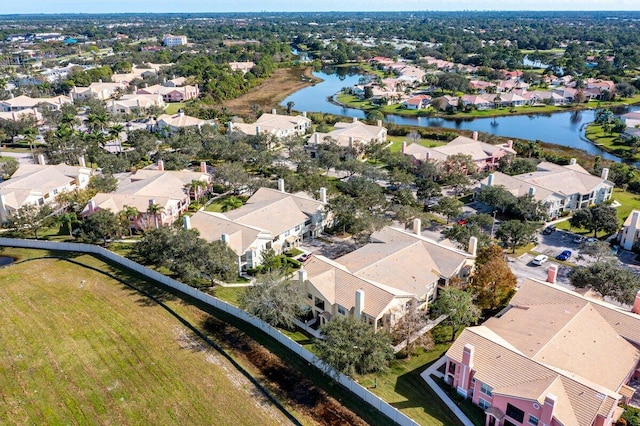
493,222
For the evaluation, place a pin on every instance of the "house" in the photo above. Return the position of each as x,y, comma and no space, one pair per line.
481,103
332,290
22,102
349,135
101,91
271,219
480,85
171,40
275,124
171,93
175,122
128,104
630,232
243,67
559,188
485,155
632,120
409,262
417,102
165,189
551,357
39,184
29,113
445,102
502,100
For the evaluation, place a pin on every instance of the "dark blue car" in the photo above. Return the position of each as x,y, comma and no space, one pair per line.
564,255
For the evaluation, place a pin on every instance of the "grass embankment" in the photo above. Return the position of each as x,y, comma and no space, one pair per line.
273,90
80,347
610,142
173,108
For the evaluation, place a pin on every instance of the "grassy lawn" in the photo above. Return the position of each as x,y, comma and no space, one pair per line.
218,205
396,143
609,142
628,200
402,386
173,107
229,294
80,347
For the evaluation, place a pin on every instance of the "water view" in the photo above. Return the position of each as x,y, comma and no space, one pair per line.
562,128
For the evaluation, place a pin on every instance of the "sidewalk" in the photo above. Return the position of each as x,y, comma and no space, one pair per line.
426,375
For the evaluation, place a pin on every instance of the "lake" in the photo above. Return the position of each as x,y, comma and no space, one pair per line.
562,128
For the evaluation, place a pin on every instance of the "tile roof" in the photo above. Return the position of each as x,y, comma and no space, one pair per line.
213,225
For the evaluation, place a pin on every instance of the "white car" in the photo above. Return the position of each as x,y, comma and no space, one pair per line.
540,259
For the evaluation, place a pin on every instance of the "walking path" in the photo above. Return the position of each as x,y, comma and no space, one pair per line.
433,370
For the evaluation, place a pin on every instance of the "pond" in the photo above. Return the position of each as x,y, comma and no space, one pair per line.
6,260
562,128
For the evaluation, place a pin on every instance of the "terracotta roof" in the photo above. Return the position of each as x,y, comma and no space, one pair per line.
213,225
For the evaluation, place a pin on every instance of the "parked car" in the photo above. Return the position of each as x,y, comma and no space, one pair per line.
549,230
592,240
615,250
564,255
461,221
304,256
578,240
540,259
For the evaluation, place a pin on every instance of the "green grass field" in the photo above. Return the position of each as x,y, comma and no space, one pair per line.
174,107
79,347
396,143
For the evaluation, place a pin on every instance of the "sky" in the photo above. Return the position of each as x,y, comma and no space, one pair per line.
161,6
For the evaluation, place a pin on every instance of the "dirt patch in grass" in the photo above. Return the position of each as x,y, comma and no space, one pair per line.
272,91
302,392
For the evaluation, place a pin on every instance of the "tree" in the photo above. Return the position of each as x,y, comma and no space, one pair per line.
232,174
101,225
67,221
427,189
514,233
449,206
8,167
410,324
598,250
351,346
231,203
458,306
154,210
128,215
497,197
103,183
458,180
274,299
596,218
492,282
31,217
609,279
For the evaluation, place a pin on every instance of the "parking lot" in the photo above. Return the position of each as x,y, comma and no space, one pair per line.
556,242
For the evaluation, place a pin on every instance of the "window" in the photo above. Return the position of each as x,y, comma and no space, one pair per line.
286,234
533,420
309,296
319,304
341,310
486,389
515,413
483,403
298,227
452,367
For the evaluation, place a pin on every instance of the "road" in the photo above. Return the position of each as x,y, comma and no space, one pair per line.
22,157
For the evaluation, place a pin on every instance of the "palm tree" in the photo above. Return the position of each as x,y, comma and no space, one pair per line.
30,137
115,131
155,210
196,187
128,215
231,203
66,221
290,105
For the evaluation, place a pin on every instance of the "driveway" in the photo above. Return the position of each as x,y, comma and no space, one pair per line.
558,241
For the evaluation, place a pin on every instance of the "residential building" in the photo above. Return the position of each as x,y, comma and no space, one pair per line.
630,233
21,115
417,102
243,67
332,290
552,357
485,155
175,122
22,102
39,184
409,262
352,135
171,40
165,189
100,90
275,124
128,104
559,188
171,93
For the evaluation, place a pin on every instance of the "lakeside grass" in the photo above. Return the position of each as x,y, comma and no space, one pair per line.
79,346
609,142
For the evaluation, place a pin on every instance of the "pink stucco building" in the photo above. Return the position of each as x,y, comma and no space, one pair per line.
552,357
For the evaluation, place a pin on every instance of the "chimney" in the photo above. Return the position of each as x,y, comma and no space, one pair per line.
135,89
274,112
316,138
532,191
257,130
473,246
224,238
572,162
281,185
92,206
41,160
426,156
152,202
355,119
161,165
350,141
417,226
359,307
475,136
302,275
467,366
404,147
605,173
81,161
510,144
490,179
203,167
546,417
229,127
304,114
323,195
552,274
379,123
636,304
186,222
